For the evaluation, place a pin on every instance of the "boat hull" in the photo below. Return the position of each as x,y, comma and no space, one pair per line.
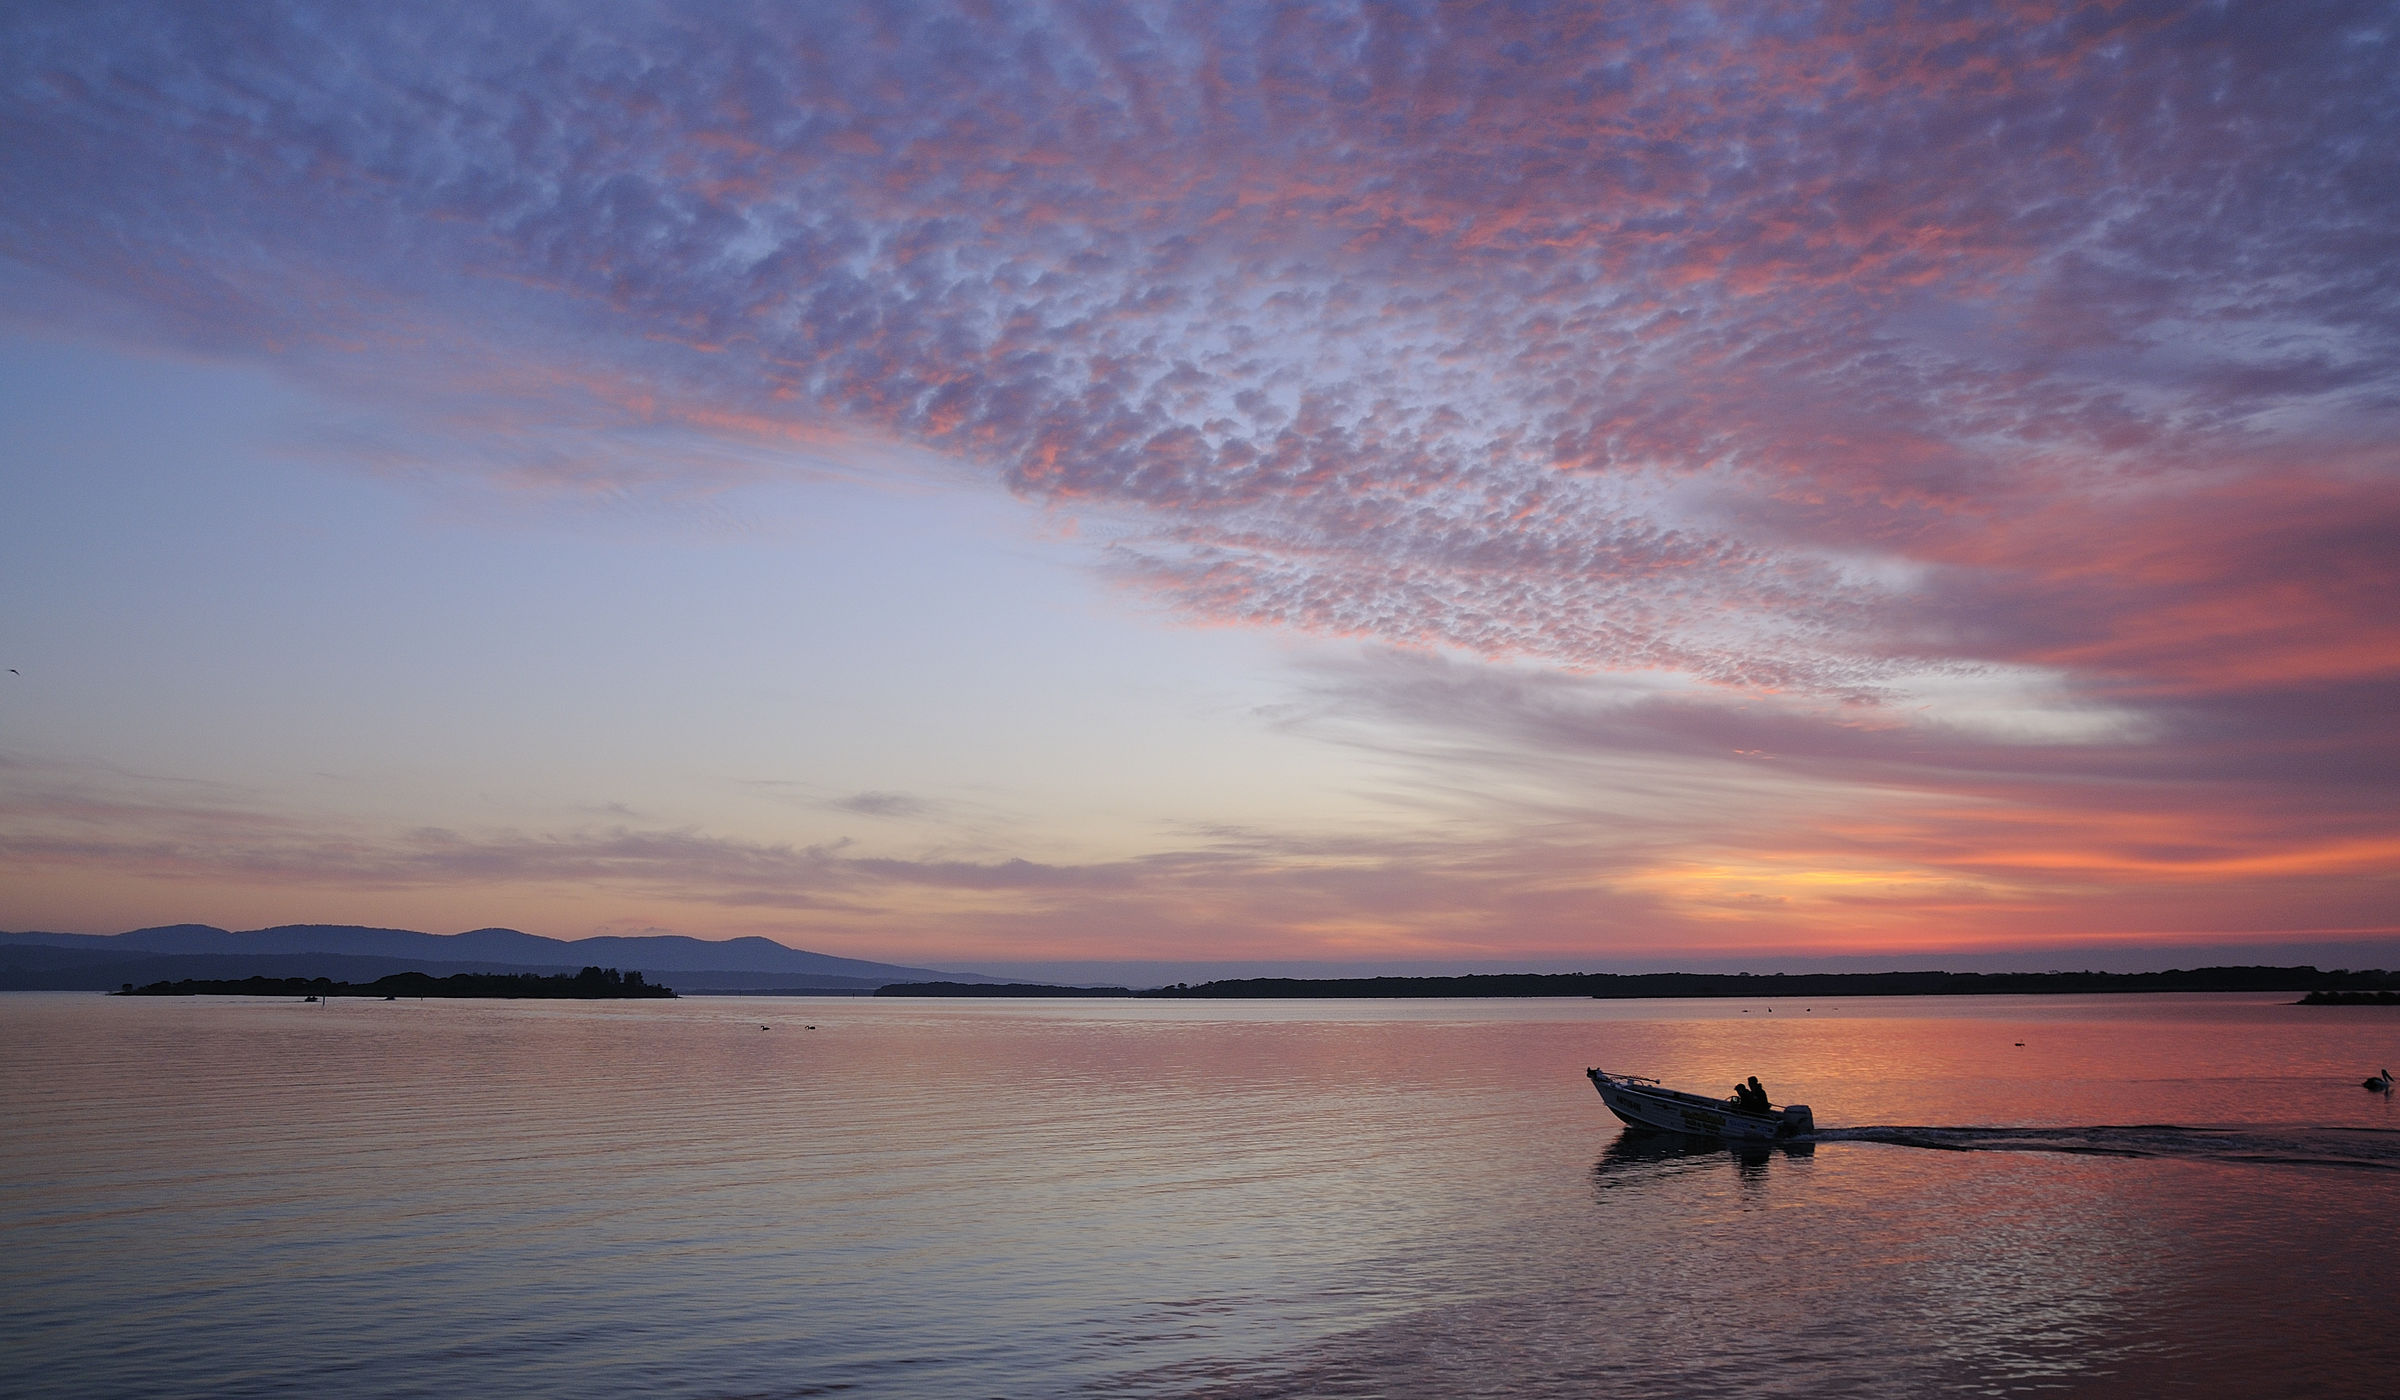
1646,1105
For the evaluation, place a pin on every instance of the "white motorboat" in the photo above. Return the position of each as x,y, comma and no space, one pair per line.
1645,1103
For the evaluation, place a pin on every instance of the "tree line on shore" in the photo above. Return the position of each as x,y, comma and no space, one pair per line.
1609,985
1629,986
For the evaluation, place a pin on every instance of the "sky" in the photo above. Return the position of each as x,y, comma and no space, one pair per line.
1048,485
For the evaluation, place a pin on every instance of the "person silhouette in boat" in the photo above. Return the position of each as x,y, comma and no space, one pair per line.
1750,1098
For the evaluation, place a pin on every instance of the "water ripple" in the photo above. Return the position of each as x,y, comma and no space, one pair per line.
256,1198
2366,1149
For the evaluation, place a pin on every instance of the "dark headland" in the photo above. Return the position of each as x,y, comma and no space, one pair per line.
2324,998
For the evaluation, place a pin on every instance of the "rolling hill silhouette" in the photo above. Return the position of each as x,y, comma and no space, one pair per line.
96,962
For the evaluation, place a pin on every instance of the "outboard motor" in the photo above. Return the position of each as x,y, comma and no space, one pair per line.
1797,1121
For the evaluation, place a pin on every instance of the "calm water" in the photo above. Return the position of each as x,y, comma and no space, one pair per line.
229,1197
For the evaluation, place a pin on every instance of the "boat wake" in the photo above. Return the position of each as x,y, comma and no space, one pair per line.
2365,1149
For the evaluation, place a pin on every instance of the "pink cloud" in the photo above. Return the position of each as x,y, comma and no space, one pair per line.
1810,351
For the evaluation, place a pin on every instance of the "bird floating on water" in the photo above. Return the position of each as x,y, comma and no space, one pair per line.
2381,1083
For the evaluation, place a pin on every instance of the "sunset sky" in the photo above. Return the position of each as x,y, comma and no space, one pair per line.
1008,484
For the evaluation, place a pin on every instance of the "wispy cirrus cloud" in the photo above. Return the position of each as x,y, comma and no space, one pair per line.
884,804
1233,892
1842,823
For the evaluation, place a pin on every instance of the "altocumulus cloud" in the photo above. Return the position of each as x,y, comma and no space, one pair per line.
1602,335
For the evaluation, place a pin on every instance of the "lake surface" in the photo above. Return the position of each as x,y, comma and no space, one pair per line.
249,1197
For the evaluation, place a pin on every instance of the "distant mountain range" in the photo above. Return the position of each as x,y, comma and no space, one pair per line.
344,952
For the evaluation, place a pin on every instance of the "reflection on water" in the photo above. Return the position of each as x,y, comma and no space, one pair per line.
1409,1199
1634,1157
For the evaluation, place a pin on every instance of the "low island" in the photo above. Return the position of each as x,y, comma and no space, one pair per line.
591,984
2385,998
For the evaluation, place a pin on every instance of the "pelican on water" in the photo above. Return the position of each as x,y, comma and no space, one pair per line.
2382,1083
